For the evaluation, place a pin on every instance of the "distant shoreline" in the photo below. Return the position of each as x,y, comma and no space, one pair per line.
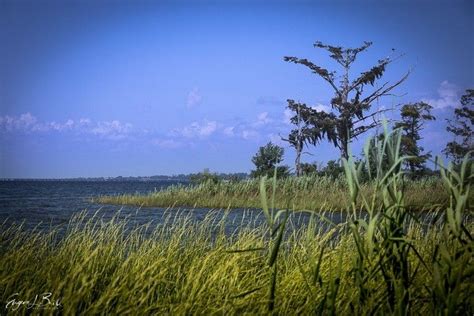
179,177
134,179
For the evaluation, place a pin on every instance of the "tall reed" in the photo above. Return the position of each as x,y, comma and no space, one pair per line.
385,259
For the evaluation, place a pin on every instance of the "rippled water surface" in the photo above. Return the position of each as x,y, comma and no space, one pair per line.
47,204
54,202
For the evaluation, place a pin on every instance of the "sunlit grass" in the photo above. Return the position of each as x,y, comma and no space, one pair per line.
192,268
302,193
386,260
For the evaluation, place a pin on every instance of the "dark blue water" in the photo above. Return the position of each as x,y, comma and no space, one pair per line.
45,205
48,204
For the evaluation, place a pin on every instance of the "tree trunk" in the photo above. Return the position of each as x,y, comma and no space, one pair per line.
298,161
344,151
299,145
345,139
412,168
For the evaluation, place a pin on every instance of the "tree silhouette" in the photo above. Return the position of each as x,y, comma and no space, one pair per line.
350,102
311,127
266,159
413,116
461,127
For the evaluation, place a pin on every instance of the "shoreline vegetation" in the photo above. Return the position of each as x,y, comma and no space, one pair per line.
386,262
315,193
184,267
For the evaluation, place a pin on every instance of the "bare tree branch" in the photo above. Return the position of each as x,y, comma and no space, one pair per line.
372,115
378,94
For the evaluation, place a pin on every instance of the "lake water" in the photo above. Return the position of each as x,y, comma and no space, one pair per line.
47,204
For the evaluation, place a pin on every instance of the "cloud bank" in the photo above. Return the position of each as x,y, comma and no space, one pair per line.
28,123
262,128
448,96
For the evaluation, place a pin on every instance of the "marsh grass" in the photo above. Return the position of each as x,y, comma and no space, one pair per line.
387,260
187,267
301,193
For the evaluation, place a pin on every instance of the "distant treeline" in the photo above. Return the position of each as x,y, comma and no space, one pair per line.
179,177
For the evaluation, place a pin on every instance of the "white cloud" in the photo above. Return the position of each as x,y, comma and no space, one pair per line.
54,126
27,123
197,129
84,121
448,96
254,130
112,129
208,128
262,119
229,131
69,123
27,119
194,98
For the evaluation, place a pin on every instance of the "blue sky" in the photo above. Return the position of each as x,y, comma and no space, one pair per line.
102,88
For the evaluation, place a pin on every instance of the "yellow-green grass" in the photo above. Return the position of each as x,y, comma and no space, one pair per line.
385,262
184,267
302,193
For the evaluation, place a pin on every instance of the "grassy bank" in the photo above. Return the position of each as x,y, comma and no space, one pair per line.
302,193
188,268
387,262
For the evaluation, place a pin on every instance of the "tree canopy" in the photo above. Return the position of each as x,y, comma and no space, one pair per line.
266,159
351,102
462,129
413,116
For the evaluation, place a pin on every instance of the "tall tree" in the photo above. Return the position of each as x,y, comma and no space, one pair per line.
413,116
266,159
462,129
350,101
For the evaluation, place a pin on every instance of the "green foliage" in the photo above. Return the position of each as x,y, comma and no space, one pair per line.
333,169
371,158
311,125
385,245
385,260
314,192
352,98
204,177
413,116
186,267
309,169
266,160
453,259
462,129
